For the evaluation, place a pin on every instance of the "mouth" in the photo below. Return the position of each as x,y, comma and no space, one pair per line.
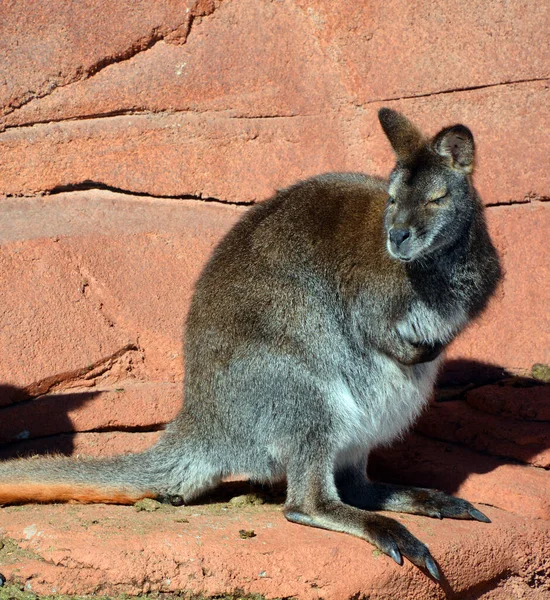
396,253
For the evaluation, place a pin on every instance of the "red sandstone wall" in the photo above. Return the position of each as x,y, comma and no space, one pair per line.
148,109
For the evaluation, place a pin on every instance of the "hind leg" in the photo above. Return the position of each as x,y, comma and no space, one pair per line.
312,499
355,489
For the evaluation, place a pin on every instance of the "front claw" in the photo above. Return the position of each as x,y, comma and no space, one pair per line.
395,554
478,515
399,543
432,568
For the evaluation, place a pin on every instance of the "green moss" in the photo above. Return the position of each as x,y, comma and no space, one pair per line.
147,505
11,553
17,592
541,372
13,592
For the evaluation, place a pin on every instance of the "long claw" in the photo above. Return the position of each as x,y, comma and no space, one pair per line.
478,515
396,555
432,568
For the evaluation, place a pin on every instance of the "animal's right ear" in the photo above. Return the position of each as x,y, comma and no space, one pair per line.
456,145
405,139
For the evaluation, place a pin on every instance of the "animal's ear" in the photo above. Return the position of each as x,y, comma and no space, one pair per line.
456,145
404,137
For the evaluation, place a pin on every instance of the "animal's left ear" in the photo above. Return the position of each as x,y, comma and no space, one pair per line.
456,145
405,139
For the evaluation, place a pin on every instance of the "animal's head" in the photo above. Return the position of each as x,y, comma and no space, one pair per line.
431,199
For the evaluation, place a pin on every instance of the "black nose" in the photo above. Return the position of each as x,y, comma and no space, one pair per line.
398,236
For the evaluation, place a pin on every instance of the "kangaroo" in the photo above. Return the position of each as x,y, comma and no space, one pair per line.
315,334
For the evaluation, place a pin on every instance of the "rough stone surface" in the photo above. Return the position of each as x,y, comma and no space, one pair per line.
115,276
169,112
130,406
455,421
240,158
43,337
106,550
183,110
313,55
529,403
206,73
172,155
104,443
48,46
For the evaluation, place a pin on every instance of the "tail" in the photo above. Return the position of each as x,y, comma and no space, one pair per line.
117,480
174,467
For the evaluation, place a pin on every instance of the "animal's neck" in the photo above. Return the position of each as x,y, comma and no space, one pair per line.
449,268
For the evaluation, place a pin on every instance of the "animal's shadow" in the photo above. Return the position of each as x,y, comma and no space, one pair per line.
427,458
38,425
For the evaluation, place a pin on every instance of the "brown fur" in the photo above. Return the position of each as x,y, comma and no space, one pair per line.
21,493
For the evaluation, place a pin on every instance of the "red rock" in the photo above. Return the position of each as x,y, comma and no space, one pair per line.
105,443
529,403
296,57
112,550
106,214
172,155
455,421
115,275
42,338
304,65
515,587
207,72
395,50
131,406
47,46
243,159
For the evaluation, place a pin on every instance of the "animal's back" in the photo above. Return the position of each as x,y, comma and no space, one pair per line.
276,267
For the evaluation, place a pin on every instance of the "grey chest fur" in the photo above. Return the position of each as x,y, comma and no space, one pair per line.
425,324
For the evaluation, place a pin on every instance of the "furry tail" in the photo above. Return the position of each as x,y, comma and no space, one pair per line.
118,480
22,493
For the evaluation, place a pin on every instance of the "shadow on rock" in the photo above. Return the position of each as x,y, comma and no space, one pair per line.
32,425
480,437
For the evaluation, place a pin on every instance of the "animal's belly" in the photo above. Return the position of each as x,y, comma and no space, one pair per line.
379,403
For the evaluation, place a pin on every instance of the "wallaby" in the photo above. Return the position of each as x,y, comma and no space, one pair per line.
315,335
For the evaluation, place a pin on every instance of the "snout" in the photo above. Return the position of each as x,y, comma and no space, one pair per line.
400,242
398,236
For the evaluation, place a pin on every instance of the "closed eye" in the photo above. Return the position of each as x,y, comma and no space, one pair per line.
439,200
